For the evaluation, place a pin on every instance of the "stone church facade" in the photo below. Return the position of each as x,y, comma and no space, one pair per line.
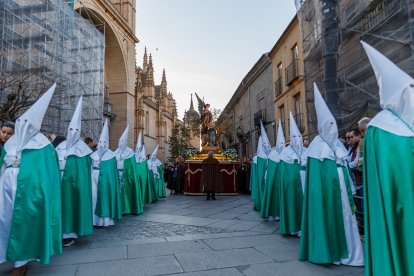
116,19
131,97
155,109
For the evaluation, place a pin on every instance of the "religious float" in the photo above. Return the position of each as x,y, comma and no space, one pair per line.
209,142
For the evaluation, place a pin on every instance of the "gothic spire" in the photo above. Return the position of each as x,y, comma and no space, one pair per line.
150,73
191,103
164,91
145,63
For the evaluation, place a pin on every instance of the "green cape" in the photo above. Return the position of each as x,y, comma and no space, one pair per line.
147,183
261,171
389,203
77,196
108,202
159,183
3,154
323,235
270,201
291,197
36,227
131,196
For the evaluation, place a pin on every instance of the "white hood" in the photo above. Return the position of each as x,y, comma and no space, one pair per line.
140,149
103,152
153,163
295,149
73,144
396,91
28,125
265,140
326,145
274,154
296,141
123,151
74,129
260,150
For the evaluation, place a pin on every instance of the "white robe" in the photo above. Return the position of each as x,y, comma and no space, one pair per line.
8,187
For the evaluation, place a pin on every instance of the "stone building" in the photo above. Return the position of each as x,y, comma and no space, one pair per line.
116,19
155,109
333,56
288,78
190,116
251,102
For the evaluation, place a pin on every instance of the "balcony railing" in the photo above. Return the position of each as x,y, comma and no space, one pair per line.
292,72
260,115
278,87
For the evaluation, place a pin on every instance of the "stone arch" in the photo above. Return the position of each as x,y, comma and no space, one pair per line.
116,77
119,69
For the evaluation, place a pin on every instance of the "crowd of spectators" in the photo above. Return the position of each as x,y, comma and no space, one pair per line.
354,142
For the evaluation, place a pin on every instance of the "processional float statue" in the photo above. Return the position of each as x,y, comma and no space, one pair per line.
209,135
209,142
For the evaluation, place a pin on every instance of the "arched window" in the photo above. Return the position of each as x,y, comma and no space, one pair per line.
147,124
165,132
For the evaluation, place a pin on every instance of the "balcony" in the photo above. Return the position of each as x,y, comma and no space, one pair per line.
260,115
278,87
300,122
292,72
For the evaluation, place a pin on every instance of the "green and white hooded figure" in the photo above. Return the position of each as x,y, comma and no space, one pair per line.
329,228
291,192
131,198
271,196
75,166
106,200
253,173
261,167
157,173
389,173
30,192
146,182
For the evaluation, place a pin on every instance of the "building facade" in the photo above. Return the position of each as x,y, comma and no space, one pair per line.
42,42
288,78
251,103
191,116
335,60
116,19
155,109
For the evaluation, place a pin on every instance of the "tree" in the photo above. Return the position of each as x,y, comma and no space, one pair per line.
225,126
18,91
179,141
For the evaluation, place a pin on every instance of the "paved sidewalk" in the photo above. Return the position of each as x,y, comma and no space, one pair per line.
187,235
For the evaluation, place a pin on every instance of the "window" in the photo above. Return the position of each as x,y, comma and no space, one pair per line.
298,109
278,82
147,124
262,104
298,112
279,70
295,52
282,116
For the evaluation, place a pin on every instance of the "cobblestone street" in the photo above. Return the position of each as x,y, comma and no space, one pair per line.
187,235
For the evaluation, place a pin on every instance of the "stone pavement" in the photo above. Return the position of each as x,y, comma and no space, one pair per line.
187,235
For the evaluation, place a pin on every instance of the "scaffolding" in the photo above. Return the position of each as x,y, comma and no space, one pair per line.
385,24
48,41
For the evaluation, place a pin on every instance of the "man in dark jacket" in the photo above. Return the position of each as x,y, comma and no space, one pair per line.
210,178
178,176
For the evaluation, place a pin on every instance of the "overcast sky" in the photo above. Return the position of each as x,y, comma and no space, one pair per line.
208,46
